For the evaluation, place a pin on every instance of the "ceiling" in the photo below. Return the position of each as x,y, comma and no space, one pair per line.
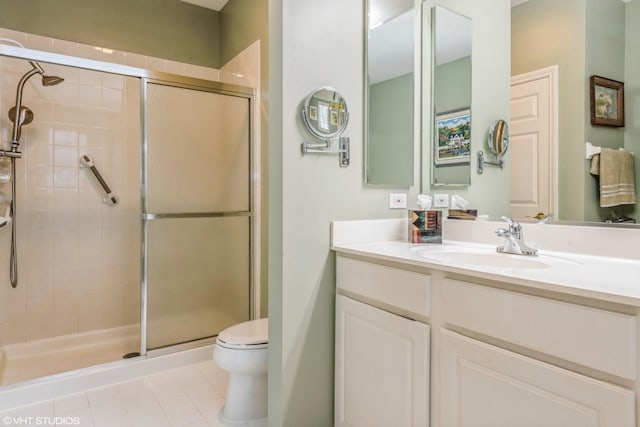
209,4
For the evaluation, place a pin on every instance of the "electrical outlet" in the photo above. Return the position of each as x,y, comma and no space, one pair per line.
440,200
397,200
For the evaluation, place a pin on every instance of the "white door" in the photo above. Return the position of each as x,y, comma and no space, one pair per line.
486,386
382,368
533,142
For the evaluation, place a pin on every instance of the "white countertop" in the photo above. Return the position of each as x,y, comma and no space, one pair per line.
603,278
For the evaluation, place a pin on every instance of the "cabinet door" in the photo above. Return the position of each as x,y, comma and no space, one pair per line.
486,386
382,368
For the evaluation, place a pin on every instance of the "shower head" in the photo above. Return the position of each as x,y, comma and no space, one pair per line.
25,115
51,80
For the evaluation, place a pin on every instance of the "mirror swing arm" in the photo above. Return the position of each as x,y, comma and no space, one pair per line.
324,148
498,142
325,116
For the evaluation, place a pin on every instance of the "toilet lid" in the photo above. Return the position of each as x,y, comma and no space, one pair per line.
252,332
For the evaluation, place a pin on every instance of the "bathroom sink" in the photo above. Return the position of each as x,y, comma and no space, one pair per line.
489,258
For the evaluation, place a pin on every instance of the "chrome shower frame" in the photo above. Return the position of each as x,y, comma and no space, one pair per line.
145,77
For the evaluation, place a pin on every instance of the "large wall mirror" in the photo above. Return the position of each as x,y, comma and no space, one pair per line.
389,92
580,39
451,103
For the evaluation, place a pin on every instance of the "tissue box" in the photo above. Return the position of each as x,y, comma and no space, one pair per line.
463,214
425,226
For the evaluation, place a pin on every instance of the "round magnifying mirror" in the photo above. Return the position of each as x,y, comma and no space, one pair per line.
325,113
499,138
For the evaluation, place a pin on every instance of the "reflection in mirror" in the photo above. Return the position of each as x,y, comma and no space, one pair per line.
389,92
499,138
325,113
451,98
580,39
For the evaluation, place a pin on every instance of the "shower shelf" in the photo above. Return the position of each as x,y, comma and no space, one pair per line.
109,198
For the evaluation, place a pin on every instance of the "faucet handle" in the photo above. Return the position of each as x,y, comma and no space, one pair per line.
514,226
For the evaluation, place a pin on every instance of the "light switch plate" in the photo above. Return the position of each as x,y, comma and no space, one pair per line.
397,200
440,200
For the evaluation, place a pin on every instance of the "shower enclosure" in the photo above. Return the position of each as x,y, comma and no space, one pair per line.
170,261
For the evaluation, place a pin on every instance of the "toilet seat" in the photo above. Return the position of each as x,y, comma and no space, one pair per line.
251,335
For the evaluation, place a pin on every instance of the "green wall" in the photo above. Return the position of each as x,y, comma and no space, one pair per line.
391,132
168,29
242,22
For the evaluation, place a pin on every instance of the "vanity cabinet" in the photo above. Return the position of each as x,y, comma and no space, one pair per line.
382,351
419,345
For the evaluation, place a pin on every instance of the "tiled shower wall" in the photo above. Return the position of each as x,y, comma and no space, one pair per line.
79,259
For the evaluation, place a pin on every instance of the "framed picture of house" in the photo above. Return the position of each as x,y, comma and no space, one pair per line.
453,137
607,102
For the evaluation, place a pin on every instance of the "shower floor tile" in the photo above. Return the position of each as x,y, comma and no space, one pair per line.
187,396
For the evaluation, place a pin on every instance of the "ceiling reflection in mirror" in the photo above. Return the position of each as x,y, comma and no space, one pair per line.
451,164
389,92
582,39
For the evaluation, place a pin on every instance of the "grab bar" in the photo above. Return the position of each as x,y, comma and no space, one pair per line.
109,198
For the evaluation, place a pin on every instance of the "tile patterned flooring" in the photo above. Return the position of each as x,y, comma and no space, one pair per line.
187,396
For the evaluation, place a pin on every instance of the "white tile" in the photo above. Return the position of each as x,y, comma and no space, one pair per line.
70,404
65,282
182,414
81,418
66,177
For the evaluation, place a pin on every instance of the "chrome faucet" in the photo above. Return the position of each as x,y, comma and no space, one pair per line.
514,243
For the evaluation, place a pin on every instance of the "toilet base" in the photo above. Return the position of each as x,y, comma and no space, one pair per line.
230,423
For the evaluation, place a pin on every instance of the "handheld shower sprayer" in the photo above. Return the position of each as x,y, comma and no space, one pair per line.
20,115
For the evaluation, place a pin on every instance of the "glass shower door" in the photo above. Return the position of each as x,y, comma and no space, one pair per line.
197,213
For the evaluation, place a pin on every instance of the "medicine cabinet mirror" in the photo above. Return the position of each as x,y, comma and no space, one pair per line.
451,102
390,36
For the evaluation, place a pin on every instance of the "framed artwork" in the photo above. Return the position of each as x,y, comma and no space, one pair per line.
607,101
453,137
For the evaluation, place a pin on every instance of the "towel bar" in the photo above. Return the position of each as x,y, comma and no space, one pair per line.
591,150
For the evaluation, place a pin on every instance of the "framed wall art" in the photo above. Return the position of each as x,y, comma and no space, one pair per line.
453,137
607,101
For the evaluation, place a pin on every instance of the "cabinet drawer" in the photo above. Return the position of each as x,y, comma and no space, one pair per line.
393,287
591,337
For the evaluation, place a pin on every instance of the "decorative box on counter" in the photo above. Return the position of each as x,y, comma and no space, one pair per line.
471,214
425,226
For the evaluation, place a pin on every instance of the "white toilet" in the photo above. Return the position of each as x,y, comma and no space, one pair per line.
242,351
